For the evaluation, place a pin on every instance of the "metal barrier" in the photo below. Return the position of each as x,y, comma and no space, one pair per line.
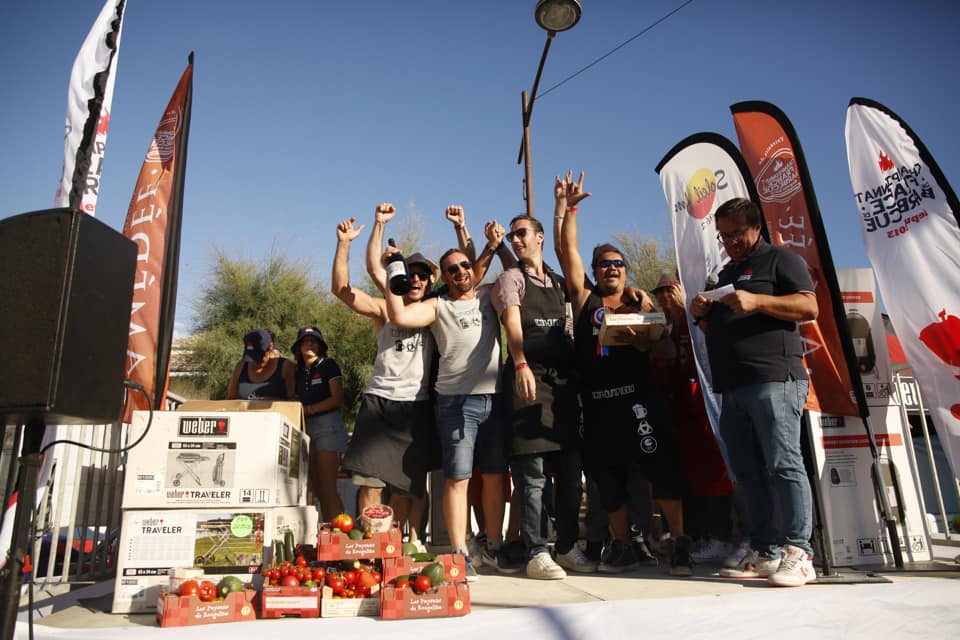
77,525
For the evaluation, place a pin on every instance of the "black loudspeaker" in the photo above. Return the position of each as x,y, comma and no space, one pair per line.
66,286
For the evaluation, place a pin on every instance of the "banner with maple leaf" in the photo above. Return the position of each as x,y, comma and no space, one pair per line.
910,219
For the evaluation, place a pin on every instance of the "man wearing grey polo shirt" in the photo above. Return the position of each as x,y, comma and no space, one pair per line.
467,334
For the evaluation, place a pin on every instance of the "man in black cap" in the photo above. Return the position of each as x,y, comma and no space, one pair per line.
394,440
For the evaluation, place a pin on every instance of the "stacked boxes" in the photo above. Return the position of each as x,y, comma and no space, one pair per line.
209,490
334,546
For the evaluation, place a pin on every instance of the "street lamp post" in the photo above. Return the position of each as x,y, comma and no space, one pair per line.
553,16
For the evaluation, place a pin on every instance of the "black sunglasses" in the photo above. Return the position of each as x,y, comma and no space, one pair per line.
422,275
605,264
454,267
519,233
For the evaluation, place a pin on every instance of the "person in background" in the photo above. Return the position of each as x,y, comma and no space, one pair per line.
627,422
319,387
262,374
394,439
756,358
708,506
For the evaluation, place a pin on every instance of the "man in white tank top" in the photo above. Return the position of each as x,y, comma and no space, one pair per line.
394,440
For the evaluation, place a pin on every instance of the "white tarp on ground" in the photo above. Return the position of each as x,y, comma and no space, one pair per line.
909,608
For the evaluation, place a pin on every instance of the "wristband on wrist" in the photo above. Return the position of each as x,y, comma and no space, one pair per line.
572,209
520,365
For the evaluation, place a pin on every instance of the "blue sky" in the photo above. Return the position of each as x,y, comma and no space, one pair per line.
308,112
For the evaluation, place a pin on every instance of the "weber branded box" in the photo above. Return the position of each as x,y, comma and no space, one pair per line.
249,459
220,542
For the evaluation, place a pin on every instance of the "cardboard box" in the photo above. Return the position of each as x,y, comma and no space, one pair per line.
450,599
185,611
454,567
221,542
332,607
292,410
249,459
652,324
298,602
339,546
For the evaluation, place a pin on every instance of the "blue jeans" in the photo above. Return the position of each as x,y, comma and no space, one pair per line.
471,434
760,424
528,475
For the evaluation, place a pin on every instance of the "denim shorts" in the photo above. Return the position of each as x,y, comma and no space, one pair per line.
327,432
472,434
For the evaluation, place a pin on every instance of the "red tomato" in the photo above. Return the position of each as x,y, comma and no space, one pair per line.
290,581
366,580
350,577
319,574
301,561
377,576
422,584
208,591
336,584
402,584
190,588
343,522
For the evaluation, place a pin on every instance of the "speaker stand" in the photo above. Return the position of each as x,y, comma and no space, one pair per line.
11,577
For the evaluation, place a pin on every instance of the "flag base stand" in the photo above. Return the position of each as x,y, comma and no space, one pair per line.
854,577
11,576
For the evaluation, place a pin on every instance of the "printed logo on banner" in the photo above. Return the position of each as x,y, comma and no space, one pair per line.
943,339
162,147
892,206
779,178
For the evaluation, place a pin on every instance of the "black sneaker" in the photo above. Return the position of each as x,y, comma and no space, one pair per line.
594,550
643,553
500,561
621,557
680,563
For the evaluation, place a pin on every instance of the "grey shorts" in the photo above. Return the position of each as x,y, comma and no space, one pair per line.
327,432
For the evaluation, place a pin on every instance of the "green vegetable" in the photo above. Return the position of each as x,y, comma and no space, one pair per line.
288,550
278,553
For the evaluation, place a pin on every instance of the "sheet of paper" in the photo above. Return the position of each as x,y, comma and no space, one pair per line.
716,294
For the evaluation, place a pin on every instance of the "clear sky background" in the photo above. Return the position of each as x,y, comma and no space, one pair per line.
307,112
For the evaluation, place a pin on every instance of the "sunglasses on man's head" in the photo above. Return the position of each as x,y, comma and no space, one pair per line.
606,264
454,267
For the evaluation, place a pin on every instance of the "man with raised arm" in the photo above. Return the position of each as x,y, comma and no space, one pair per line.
626,422
469,423
394,440
540,383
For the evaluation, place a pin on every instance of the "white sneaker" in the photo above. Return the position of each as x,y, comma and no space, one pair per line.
576,560
711,550
542,567
737,556
753,565
796,568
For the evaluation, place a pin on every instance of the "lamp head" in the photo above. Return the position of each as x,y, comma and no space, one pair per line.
557,15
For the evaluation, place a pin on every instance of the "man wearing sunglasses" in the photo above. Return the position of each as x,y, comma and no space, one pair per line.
626,421
756,357
530,299
465,327
394,441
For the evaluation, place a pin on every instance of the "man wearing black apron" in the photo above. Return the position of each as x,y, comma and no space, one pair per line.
530,300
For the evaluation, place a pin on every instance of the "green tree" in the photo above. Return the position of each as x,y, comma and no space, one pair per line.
646,257
280,295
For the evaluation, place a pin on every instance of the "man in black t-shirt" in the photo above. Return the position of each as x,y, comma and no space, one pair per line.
756,355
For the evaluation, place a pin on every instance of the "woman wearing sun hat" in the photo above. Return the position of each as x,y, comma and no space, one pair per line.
319,386
261,374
